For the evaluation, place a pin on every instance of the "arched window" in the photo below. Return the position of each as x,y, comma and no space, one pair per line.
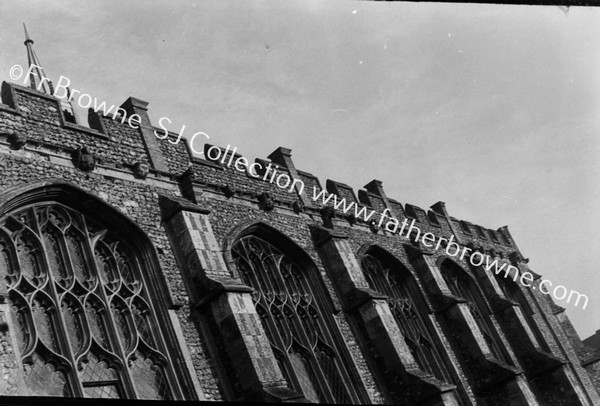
300,332
80,309
514,293
463,286
387,276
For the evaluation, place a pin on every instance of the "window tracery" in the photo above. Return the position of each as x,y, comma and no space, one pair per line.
81,312
514,293
401,294
294,322
460,285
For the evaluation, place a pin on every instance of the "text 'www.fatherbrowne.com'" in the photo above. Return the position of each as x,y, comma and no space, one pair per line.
284,181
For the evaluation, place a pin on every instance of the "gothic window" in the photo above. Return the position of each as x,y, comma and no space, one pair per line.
298,329
462,286
514,293
84,322
388,277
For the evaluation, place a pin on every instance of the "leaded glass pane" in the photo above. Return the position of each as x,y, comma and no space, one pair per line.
78,337
106,391
96,317
300,364
43,377
29,256
96,369
45,321
73,317
76,249
54,252
23,326
149,378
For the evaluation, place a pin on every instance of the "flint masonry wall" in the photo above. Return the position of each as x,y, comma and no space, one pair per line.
48,155
193,209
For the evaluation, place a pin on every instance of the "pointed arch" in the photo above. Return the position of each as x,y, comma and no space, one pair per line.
71,195
517,294
86,296
388,276
267,232
463,285
290,299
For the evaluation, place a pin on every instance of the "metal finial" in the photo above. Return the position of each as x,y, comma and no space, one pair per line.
27,39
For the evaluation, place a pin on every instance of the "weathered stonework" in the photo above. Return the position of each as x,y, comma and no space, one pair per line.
188,215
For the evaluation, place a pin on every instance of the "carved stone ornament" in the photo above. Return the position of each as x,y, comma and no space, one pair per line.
298,206
373,226
516,258
327,215
141,170
266,201
188,175
227,191
85,160
17,139
351,219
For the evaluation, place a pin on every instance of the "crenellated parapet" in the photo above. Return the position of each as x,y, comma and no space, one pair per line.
34,121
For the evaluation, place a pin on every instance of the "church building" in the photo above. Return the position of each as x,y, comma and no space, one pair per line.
132,268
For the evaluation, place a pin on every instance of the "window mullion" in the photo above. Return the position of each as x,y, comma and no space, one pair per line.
337,360
304,339
304,289
259,281
321,380
62,336
160,344
296,324
129,387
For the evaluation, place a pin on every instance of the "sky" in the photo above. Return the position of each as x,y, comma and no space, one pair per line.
493,109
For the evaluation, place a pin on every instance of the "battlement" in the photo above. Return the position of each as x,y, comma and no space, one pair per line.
33,120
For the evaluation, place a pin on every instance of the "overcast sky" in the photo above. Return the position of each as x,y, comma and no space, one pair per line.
493,109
